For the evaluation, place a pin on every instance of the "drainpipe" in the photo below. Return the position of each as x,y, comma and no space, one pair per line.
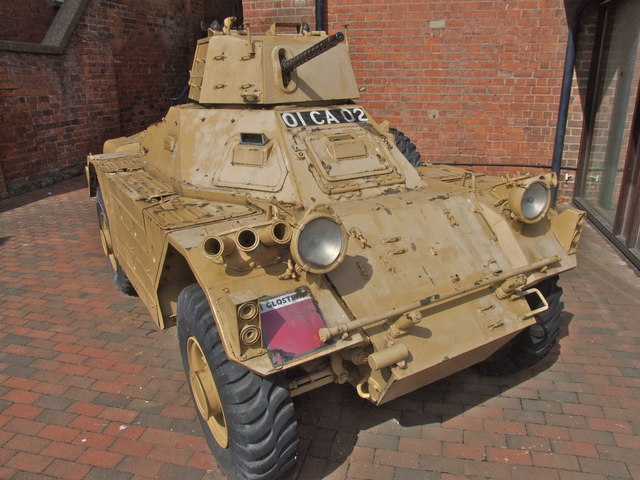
565,95
320,15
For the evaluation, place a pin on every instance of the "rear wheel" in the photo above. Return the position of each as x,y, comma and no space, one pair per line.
534,342
407,147
119,277
248,420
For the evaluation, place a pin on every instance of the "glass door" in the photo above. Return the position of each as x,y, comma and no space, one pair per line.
608,184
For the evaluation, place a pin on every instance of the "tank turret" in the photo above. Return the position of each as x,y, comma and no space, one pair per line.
234,67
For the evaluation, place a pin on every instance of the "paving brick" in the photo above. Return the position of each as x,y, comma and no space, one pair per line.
396,459
529,443
65,470
56,432
546,431
312,468
563,420
20,425
433,463
524,472
22,411
626,455
367,439
591,436
141,466
29,462
610,468
506,427
474,452
205,461
567,475
525,416
135,448
370,472
580,449
478,469
64,451
610,425
26,443
509,455
91,424
21,396
555,460
100,458
443,434
98,473
627,441
170,455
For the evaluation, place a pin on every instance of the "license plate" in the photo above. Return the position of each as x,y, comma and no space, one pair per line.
327,116
290,324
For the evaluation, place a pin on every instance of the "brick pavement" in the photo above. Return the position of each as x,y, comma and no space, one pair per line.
89,389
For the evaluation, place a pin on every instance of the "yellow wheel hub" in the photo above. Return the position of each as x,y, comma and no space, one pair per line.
206,393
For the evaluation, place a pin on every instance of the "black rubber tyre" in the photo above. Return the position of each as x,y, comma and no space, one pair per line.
255,413
407,148
119,277
533,343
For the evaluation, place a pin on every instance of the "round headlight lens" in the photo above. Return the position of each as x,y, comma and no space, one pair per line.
534,201
529,203
319,245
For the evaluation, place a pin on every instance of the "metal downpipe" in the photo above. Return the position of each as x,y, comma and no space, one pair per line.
320,15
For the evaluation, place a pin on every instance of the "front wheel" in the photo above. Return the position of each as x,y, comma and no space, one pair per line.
248,420
534,342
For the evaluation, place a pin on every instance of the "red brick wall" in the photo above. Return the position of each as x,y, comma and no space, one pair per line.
124,61
468,81
25,20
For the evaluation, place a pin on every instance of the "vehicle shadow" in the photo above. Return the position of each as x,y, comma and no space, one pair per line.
333,419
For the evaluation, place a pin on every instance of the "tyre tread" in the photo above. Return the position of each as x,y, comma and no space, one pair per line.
258,409
535,342
407,148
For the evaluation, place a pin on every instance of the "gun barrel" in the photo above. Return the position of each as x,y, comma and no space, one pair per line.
310,53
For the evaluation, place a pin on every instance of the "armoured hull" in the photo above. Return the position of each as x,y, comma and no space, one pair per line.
296,242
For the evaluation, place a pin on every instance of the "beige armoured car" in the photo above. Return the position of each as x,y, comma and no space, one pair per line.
296,242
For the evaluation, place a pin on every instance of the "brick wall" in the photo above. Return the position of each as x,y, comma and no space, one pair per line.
124,61
25,20
468,81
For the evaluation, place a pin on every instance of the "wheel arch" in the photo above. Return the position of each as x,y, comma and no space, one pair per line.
92,179
175,274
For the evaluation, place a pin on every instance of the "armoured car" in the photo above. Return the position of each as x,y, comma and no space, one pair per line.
296,242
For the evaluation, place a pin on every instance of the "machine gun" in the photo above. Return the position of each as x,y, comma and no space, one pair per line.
289,65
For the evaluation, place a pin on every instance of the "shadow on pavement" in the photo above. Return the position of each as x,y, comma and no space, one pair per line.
333,419
66,186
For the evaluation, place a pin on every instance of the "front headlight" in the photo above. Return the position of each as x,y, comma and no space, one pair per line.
530,201
319,243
